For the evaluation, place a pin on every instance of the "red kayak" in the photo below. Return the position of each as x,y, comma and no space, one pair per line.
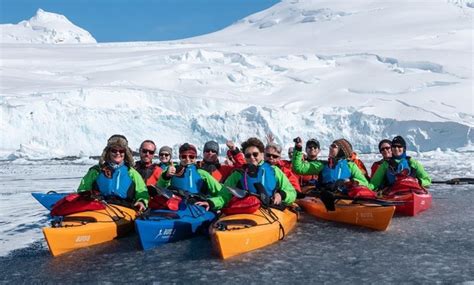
416,199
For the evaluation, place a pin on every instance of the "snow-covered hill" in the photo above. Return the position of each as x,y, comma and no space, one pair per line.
364,70
45,28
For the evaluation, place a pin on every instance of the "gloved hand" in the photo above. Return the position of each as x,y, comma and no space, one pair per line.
298,143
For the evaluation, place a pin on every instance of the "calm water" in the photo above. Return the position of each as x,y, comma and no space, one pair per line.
436,246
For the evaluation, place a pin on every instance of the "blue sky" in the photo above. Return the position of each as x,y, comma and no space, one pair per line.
139,20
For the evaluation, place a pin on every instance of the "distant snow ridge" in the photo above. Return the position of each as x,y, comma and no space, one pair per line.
45,28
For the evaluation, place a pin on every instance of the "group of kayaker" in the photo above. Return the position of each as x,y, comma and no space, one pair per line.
253,168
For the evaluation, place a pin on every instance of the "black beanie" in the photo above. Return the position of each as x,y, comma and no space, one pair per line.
385,141
398,140
211,145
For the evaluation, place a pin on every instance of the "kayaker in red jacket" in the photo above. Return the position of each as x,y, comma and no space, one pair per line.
149,171
211,163
273,156
385,148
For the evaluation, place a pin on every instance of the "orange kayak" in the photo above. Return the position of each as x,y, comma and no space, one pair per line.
89,228
367,215
236,234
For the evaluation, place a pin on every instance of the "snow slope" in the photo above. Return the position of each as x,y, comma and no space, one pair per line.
45,28
364,70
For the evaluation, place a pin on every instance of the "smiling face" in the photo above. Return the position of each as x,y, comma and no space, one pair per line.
117,154
272,156
210,155
386,150
147,152
333,150
253,155
312,151
187,158
397,150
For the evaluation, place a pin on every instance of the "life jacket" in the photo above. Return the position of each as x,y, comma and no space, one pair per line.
359,164
265,175
211,168
147,171
116,182
341,170
163,165
190,180
396,168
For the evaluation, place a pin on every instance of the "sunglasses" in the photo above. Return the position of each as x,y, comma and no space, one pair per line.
254,154
384,148
210,150
312,146
164,154
397,146
274,156
185,156
333,145
114,150
145,151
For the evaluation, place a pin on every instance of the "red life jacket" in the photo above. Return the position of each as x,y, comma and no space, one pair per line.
75,203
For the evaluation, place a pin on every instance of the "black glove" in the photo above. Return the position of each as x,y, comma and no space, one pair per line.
298,143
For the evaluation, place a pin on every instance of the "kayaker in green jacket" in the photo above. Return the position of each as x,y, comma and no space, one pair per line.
186,176
399,164
275,182
337,168
114,177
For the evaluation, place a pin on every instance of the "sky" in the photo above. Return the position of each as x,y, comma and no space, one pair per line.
139,20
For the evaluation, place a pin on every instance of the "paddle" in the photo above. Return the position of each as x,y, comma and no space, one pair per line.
455,181
160,191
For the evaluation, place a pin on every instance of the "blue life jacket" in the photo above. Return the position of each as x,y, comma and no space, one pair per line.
190,181
163,166
265,175
340,171
117,185
395,168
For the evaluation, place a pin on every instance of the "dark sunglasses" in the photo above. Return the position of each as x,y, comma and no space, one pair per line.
210,150
114,150
164,154
333,145
384,148
254,154
312,146
397,146
274,156
145,151
185,156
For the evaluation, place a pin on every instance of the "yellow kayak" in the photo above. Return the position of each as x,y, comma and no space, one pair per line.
89,228
240,233
372,216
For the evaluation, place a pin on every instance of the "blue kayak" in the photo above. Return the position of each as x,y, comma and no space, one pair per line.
163,226
49,199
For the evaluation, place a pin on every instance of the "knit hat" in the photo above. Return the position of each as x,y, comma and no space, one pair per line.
211,145
166,148
345,148
313,142
398,140
121,142
187,148
385,141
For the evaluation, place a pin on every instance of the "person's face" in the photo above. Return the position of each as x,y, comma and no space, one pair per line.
186,159
397,150
147,152
312,151
117,154
272,156
164,157
253,155
210,155
386,151
333,150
